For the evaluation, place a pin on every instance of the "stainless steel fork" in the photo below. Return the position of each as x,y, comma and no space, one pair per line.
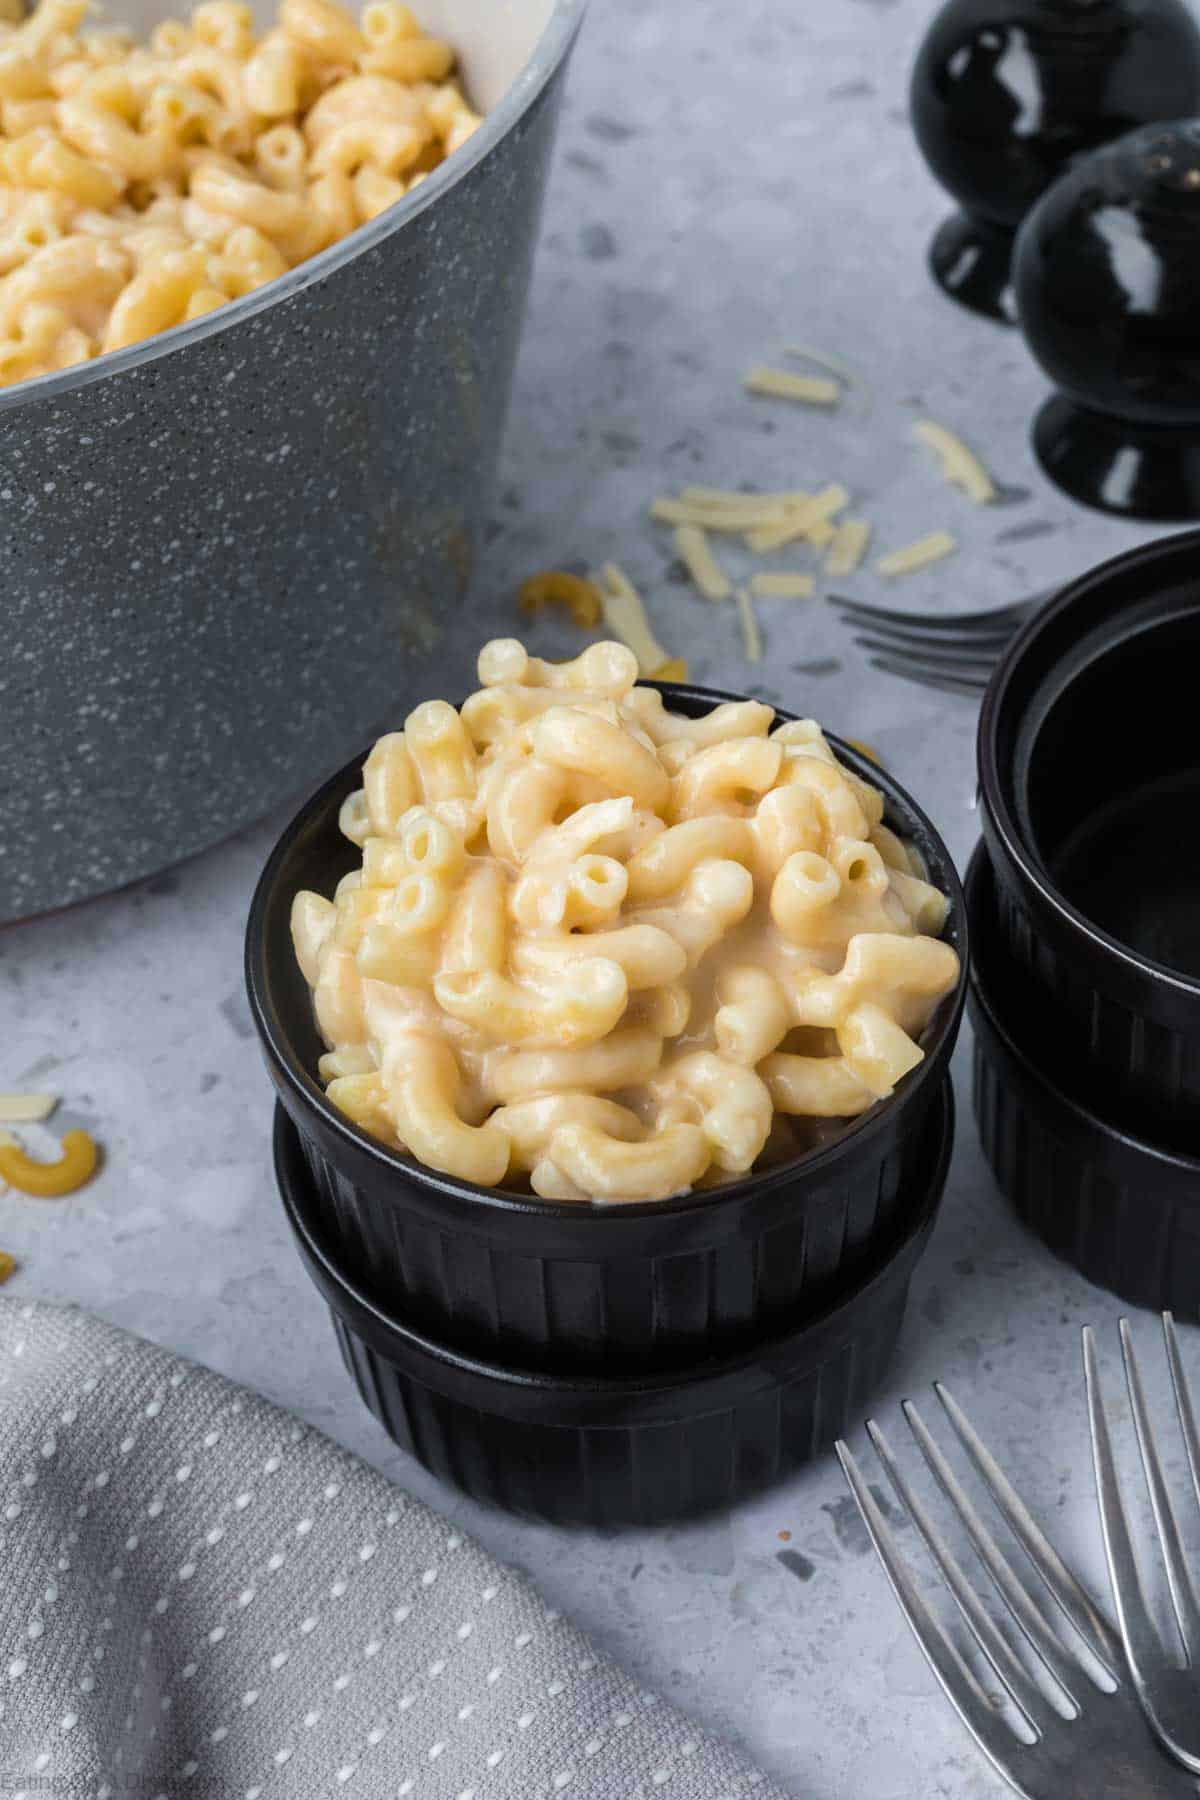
1103,1750
955,652
1170,1694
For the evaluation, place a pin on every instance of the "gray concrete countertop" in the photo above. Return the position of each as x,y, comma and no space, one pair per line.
721,189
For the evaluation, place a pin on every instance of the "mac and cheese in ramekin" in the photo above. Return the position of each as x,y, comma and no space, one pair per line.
144,185
604,950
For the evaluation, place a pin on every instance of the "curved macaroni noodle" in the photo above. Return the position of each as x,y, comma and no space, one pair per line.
607,954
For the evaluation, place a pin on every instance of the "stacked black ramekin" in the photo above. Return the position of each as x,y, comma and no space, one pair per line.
603,1364
1084,903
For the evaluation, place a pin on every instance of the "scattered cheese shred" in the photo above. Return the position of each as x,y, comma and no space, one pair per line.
26,1109
782,586
625,615
748,619
821,359
781,384
558,587
811,520
960,466
724,517
674,670
848,548
691,543
916,556
8,1266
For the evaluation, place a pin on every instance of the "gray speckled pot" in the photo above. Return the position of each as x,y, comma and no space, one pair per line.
219,550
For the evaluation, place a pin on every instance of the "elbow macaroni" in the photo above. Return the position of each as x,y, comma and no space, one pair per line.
144,185
608,953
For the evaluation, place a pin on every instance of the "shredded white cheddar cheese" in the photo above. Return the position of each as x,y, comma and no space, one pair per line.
26,1109
782,586
848,548
960,466
709,577
780,384
733,519
802,521
748,619
625,616
916,556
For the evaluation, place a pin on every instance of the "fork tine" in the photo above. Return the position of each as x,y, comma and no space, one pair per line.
1138,1634
1038,1633
917,673
1013,1677
1072,1599
1183,1402
957,1681
1183,1594
954,659
936,635
986,619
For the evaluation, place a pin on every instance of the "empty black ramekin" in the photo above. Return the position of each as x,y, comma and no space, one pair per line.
559,1286
611,1451
1123,1211
1089,762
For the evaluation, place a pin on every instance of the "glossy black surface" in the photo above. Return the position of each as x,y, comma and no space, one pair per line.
516,1278
1121,1208
1107,278
1089,766
1006,93
646,1446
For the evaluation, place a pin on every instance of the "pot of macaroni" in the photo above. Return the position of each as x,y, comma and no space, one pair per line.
610,1015
262,278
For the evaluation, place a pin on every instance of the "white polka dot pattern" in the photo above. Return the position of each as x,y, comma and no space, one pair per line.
202,1595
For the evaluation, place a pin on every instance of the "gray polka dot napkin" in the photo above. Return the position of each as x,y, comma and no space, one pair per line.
203,1598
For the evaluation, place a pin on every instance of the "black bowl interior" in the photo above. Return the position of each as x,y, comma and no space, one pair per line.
313,854
1090,746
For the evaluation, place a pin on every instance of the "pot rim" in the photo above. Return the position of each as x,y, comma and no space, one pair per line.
1019,851
307,1091
550,52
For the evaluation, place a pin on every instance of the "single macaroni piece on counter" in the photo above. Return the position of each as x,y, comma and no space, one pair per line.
600,952
143,185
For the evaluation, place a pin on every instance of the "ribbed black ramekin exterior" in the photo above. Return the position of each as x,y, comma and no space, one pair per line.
633,1451
1121,1210
1137,1024
578,1287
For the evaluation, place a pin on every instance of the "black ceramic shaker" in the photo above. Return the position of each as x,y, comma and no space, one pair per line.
1107,278
1007,93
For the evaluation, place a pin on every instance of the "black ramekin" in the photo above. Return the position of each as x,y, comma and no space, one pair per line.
577,1287
1124,1212
1095,702
610,1451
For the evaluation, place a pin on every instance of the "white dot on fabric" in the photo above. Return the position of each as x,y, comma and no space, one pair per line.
36,1628
405,1788
563,1779
17,1668
464,1713
90,1385
661,1777
406,1701
29,1478
178,1378
489,1593
495,1758
464,1631
161,1604
304,1527
401,1614
40,1762
189,1769
101,1480
435,1750
494,1675
69,1415
245,1597
271,1465
438,1668
429,1577
216,1634
132,1541
275,1561
525,1721
552,1616
250,1696
375,1735
284,1755
373,1648
344,1773
48,1448
126,1445
153,1408
523,1638
593,1747
338,1589
556,1688
252,1793
393,1515
340,1683
86,1683
467,1794
243,1500
210,1438
215,1535
454,1541
188,1670
311,1719
309,1624
332,1490
622,1720
12,1510
155,1507
183,1471
186,1571
69,1721
279,1658
366,1553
